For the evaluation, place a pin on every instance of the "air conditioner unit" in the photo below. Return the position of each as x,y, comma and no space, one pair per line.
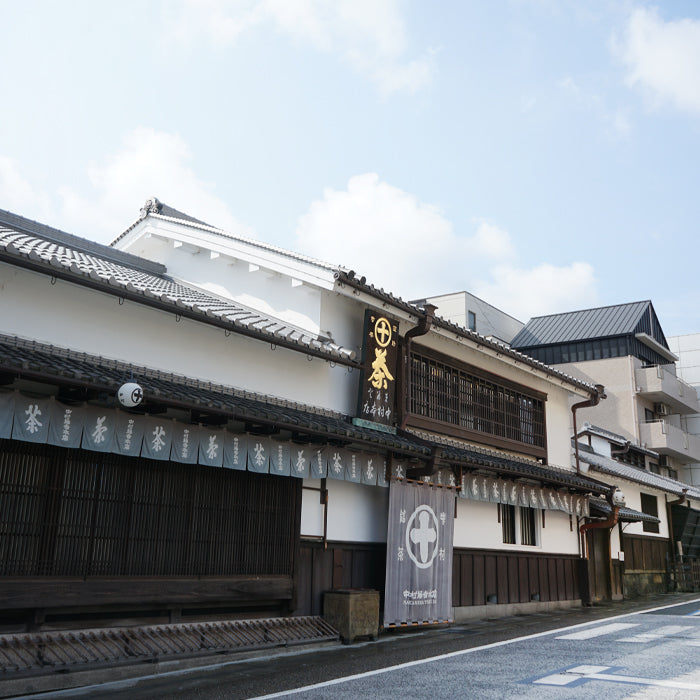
661,409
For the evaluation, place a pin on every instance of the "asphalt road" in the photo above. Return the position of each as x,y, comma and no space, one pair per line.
628,650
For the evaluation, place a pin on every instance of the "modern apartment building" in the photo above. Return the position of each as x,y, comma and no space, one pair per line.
624,348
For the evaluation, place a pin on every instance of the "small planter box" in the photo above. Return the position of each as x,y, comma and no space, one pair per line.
353,612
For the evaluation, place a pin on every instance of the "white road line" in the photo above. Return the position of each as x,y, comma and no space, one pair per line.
694,614
595,673
463,652
660,633
599,631
133,682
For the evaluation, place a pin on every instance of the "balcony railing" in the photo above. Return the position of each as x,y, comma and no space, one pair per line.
665,438
662,386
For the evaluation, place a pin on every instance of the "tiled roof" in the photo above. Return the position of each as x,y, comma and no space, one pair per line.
473,456
625,514
40,361
95,266
350,278
606,465
156,209
160,211
613,437
48,363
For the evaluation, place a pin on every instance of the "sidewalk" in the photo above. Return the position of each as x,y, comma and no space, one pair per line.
392,647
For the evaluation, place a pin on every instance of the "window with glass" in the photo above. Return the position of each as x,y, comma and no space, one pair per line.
650,506
518,525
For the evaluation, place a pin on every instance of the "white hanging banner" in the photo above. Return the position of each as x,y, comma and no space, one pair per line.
419,554
211,447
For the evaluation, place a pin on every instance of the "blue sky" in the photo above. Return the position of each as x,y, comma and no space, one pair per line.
542,154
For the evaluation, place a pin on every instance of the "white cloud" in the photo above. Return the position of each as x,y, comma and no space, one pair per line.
410,249
663,57
543,289
17,194
150,163
368,34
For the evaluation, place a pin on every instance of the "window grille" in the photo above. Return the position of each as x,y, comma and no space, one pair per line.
78,513
528,531
456,396
650,506
508,523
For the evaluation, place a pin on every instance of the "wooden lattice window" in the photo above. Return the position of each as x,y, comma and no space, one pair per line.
82,514
476,403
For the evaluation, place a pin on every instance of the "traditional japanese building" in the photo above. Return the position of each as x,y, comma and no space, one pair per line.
642,554
196,424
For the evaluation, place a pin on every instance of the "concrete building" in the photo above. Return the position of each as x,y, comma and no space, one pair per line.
624,348
646,435
474,314
687,349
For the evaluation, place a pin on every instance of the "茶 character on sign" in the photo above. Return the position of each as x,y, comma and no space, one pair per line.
380,372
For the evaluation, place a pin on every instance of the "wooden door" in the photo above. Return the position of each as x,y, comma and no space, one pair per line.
599,563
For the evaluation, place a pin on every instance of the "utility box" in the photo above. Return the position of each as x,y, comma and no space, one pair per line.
354,612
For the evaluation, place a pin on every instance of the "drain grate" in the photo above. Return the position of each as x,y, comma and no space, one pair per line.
22,654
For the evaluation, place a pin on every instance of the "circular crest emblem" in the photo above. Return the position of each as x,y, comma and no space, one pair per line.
422,530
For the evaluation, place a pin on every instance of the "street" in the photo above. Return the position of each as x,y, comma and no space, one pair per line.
647,652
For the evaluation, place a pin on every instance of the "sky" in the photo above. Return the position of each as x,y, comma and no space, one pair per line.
541,154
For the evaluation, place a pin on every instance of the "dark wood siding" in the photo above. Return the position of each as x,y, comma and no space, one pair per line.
512,577
340,565
645,553
109,521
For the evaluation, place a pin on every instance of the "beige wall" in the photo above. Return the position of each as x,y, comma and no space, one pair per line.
619,411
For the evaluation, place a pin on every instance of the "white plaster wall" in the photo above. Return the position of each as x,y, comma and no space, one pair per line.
82,319
356,512
477,526
633,500
264,290
311,509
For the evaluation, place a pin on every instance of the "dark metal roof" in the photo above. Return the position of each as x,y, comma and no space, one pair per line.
603,322
48,363
94,265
